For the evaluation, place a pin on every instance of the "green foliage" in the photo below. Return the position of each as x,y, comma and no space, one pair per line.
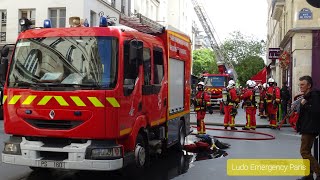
250,66
204,60
238,47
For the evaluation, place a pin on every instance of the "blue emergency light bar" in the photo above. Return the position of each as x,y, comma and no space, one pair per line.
103,22
47,23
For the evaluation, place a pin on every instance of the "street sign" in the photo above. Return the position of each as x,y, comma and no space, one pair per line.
274,53
305,13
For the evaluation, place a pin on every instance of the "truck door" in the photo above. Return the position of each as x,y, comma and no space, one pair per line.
154,87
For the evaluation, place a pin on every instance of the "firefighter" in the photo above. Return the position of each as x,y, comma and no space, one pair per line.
250,106
262,105
231,101
272,100
202,102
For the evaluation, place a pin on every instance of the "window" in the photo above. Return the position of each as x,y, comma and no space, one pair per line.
58,17
3,25
130,69
147,66
93,18
123,6
32,61
113,3
158,68
29,14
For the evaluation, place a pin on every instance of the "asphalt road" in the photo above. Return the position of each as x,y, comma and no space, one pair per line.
181,165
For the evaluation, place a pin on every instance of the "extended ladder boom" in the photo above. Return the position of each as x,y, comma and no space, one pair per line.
209,30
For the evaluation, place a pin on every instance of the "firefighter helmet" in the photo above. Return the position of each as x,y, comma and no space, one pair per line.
270,80
231,83
250,84
264,85
200,86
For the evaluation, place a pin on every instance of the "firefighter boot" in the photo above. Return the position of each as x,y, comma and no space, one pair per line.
233,128
202,127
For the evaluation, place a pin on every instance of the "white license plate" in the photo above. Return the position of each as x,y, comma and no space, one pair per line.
51,164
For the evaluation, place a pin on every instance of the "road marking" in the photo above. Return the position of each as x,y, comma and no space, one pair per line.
295,135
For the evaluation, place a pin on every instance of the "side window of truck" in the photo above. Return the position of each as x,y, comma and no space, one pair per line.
158,67
147,66
130,69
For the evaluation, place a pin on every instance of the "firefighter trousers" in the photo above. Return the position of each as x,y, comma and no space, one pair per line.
228,118
272,112
201,128
251,117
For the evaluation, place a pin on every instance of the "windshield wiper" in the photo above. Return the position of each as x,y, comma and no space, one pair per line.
23,84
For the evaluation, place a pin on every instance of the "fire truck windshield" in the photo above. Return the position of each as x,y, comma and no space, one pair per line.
215,81
64,61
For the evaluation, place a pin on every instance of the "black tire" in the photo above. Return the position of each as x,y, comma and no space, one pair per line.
142,156
181,136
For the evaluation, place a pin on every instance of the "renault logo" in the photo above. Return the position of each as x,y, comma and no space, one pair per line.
52,114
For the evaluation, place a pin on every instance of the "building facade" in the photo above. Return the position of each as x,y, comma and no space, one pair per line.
294,27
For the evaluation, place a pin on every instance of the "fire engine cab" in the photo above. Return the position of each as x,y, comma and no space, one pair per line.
96,98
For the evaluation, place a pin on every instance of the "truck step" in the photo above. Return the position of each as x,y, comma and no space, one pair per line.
154,143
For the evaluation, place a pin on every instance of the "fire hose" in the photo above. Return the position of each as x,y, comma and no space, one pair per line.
268,136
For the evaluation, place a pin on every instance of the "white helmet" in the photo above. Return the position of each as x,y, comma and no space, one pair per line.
251,84
248,82
264,85
201,83
270,80
231,83
254,83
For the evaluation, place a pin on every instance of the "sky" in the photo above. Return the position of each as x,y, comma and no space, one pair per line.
247,16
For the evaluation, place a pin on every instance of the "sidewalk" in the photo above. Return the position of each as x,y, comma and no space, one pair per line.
216,119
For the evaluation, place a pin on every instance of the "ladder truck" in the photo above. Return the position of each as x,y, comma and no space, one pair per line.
215,82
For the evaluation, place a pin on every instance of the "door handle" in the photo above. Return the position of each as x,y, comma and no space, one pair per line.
165,102
140,106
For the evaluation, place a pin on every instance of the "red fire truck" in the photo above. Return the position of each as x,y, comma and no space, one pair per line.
214,84
96,98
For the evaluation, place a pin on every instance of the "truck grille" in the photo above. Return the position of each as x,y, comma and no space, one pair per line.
54,124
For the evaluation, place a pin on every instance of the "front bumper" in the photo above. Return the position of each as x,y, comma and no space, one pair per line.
216,101
31,155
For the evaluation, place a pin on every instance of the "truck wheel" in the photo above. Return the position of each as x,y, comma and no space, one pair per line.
181,136
141,152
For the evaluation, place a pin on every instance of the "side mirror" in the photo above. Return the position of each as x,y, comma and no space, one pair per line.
314,3
4,63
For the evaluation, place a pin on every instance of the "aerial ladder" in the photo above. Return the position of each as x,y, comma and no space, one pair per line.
223,63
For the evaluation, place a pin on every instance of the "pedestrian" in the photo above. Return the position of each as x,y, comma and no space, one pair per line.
308,124
273,100
230,106
250,106
202,102
285,98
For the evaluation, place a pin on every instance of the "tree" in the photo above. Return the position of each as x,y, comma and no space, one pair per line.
238,47
204,60
250,66
245,54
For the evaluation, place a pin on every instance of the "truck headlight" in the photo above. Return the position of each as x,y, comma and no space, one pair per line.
106,153
12,148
